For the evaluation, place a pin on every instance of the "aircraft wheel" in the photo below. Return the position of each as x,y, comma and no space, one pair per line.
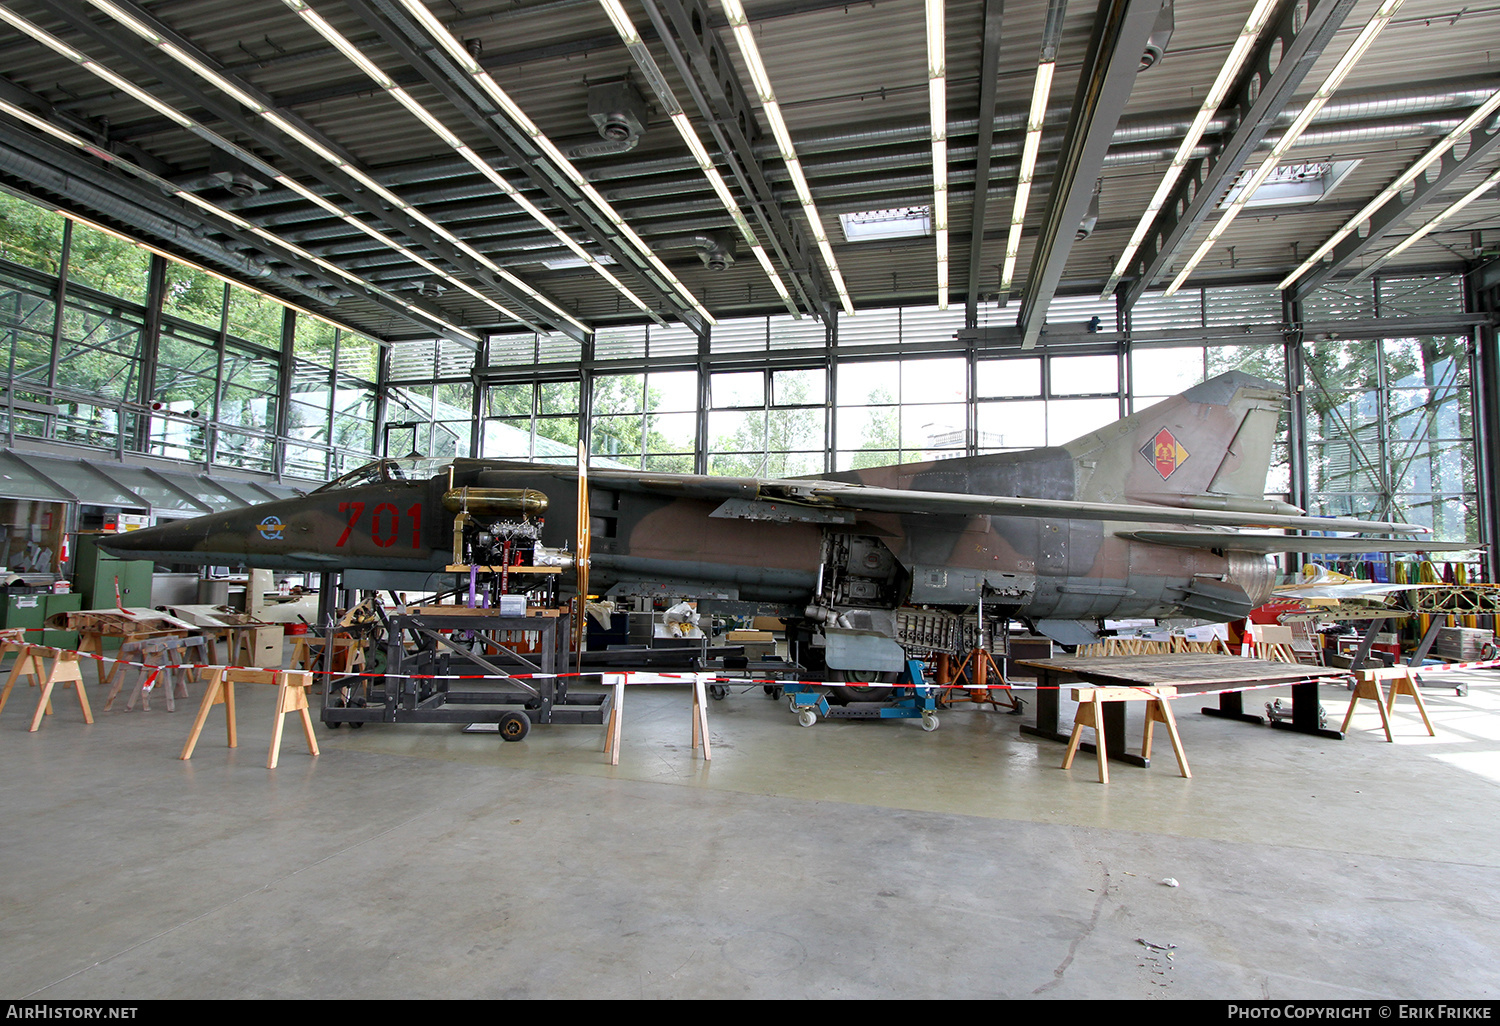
718,692
853,692
929,721
514,726
807,717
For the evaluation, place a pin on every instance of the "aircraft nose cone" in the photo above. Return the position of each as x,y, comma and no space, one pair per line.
160,542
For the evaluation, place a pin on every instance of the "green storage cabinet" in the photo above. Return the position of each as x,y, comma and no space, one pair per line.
69,603
95,573
31,612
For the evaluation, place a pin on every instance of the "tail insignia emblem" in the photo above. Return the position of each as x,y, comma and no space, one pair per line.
1164,453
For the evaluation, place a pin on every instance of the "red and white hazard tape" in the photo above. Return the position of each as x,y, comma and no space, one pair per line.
658,676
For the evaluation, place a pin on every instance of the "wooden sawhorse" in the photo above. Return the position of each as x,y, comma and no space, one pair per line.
1090,713
160,659
617,715
65,670
1403,682
291,696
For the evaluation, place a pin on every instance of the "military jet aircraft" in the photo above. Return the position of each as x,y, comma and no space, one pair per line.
1142,518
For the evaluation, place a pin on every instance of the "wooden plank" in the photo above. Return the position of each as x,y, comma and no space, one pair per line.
1122,694
1179,670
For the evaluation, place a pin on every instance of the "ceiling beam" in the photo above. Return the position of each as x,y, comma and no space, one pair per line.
411,42
686,29
1481,143
1300,43
128,46
989,73
1121,28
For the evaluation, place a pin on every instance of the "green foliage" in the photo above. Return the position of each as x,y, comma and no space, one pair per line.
29,235
255,318
108,264
194,296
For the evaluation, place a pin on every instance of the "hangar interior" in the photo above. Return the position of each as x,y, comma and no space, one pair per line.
246,249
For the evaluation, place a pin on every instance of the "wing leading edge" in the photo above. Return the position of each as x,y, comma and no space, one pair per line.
838,495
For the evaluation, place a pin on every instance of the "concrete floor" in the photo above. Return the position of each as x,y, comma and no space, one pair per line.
849,859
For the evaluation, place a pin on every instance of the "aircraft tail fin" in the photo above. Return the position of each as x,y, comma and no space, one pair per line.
1208,448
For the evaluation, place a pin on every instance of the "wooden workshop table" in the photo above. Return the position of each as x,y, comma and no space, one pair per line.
1193,673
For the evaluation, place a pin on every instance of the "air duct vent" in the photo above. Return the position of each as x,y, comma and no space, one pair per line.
618,109
1161,35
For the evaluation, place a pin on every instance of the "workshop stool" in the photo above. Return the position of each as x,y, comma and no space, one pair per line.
1403,682
1091,702
291,696
65,670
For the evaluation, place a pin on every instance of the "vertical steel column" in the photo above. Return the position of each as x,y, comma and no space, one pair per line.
1487,423
382,377
476,400
221,347
831,402
705,397
586,394
59,296
156,290
284,385
1291,317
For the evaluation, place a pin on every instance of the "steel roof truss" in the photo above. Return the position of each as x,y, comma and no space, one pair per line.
1206,179
412,43
994,15
1121,28
685,28
335,180
1481,145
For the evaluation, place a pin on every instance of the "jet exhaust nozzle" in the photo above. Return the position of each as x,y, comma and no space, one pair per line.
492,501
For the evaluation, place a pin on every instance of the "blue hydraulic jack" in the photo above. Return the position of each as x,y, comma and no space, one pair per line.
910,697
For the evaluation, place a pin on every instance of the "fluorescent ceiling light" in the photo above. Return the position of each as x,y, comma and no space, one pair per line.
254,103
1040,91
744,38
1299,124
875,225
379,77
465,60
1238,52
632,39
937,103
1427,159
1453,208
24,116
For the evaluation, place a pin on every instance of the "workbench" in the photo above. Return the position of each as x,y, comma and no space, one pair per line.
1193,673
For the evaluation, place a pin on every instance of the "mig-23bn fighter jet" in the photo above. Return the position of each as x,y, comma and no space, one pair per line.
1142,518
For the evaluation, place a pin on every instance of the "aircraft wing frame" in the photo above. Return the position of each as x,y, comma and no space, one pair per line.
840,495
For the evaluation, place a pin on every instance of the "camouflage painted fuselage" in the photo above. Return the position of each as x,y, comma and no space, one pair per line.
743,539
